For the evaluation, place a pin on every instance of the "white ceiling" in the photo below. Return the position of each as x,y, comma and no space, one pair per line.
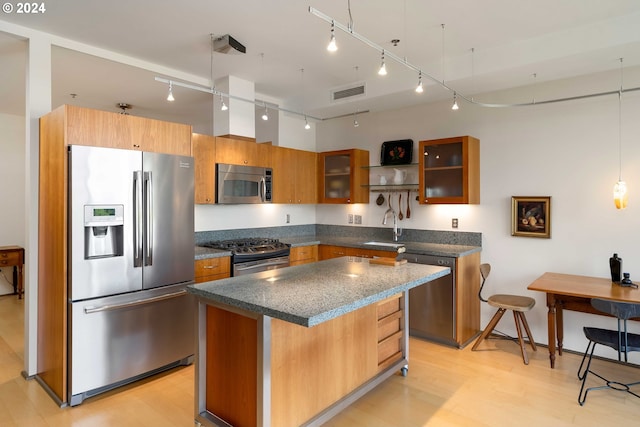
512,40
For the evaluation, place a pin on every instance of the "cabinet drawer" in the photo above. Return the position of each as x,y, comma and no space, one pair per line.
388,306
304,253
389,325
212,267
390,348
10,258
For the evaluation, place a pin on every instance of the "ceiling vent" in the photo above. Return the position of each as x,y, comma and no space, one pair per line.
354,90
227,44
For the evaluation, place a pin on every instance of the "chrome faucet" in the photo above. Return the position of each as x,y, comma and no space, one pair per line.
396,232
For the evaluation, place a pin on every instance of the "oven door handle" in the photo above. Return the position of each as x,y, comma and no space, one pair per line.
262,265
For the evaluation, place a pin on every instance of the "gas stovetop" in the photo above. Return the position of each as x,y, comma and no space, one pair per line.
253,248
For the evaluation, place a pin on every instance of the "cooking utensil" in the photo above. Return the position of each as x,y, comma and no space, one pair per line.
400,216
408,204
380,200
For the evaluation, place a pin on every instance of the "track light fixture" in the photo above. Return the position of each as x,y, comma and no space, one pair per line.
170,97
332,47
383,69
265,116
307,126
455,102
223,106
419,88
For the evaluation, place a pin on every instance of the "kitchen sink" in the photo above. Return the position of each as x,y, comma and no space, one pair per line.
393,245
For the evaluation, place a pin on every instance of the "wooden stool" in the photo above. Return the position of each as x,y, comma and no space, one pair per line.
516,303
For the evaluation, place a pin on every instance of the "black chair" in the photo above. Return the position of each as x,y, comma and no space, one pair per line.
517,303
620,340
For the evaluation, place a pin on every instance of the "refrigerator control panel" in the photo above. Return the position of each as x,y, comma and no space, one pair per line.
103,215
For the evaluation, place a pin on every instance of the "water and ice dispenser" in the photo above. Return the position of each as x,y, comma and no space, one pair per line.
103,231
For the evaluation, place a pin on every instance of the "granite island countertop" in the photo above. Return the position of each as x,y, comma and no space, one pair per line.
313,293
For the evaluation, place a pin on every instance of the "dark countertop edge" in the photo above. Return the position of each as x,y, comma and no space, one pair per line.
318,318
437,249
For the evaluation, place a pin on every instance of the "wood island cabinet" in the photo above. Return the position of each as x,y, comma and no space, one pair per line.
342,177
449,171
294,176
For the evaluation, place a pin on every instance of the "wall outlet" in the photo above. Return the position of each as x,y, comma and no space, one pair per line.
287,219
350,219
454,222
358,219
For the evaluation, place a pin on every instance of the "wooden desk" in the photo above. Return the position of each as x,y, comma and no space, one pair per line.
571,292
14,256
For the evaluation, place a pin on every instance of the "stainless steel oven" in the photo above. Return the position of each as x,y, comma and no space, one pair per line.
237,184
252,255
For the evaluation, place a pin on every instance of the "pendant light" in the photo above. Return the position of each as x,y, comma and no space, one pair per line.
383,69
223,106
454,107
332,46
265,116
419,88
620,195
307,126
170,97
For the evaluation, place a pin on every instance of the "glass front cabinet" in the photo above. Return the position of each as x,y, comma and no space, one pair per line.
342,177
449,171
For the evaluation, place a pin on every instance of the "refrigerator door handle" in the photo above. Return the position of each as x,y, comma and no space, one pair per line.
148,197
93,309
137,219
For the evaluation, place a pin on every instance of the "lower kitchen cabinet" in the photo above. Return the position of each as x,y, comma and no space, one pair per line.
303,255
390,330
210,269
331,251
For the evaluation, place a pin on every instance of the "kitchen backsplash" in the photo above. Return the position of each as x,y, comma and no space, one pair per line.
368,233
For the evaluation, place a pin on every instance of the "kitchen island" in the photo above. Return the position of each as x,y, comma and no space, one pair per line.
294,346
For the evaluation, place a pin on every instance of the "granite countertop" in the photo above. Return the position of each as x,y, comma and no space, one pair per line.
313,293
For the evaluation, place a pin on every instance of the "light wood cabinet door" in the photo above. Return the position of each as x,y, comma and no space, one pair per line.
210,269
303,255
97,128
204,160
242,152
295,176
331,251
449,171
342,177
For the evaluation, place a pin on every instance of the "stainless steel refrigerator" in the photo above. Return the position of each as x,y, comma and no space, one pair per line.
131,251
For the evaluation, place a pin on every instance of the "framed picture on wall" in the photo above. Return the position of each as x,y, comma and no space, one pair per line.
531,216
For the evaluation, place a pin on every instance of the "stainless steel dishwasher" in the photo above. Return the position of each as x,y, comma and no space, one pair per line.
432,311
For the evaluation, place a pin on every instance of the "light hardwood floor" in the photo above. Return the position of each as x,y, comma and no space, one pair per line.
444,387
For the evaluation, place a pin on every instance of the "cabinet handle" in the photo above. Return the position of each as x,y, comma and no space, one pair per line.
209,267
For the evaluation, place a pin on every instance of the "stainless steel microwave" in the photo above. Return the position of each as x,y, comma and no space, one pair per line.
237,184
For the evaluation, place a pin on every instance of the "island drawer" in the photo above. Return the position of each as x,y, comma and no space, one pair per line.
388,306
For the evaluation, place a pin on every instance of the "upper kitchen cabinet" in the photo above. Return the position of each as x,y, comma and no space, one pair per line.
342,178
449,171
84,126
204,159
242,152
294,176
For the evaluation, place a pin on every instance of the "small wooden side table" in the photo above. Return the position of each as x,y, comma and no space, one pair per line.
14,256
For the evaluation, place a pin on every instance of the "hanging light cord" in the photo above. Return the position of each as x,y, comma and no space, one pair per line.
350,17
620,125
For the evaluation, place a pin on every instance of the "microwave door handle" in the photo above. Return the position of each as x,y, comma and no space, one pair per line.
137,219
263,189
148,198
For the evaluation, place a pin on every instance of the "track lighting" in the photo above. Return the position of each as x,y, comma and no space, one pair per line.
419,88
265,116
332,47
455,102
170,97
383,69
223,106
307,126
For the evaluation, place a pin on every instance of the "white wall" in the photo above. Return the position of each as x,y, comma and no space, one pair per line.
12,164
568,151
